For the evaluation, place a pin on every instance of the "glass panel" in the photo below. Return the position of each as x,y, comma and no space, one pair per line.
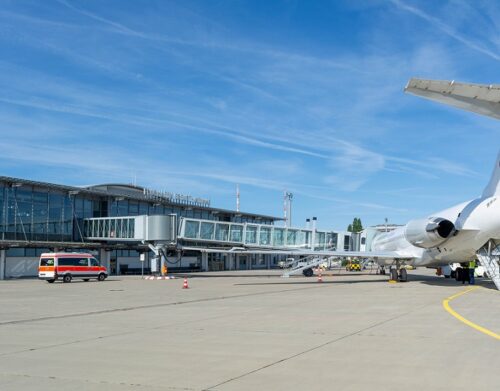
67,224
251,236
112,228
222,232
301,238
131,228
23,213
279,237
291,237
207,231
40,215
265,236
321,239
99,229
143,208
346,242
236,233
133,208
191,229
2,223
119,228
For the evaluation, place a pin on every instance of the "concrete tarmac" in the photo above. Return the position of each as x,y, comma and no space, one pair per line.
248,331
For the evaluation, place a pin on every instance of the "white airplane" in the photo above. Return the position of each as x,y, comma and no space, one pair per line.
462,232
457,234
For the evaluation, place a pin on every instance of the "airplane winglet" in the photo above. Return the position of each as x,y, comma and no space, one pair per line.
493,187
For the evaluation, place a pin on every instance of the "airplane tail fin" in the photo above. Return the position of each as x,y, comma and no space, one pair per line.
493,187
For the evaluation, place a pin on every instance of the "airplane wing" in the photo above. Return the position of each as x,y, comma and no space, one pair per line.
385,255
478,98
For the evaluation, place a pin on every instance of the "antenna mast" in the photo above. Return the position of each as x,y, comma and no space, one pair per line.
237,198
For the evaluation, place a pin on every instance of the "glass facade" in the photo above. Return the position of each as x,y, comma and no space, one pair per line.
46,213
32,214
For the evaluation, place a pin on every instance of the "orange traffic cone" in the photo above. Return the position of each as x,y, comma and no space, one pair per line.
185,286
319,277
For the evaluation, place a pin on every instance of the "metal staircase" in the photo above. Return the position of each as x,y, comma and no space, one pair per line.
489,255
311,262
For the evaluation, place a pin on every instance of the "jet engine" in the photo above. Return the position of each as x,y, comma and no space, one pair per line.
428,233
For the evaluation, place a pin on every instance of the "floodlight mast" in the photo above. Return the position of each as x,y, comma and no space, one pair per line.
287,208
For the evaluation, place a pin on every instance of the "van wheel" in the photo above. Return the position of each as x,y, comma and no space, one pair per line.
50,281
101,277
308,272
86,279
67,278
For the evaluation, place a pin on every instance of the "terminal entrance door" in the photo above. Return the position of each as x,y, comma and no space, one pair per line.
243,263
215,262
112,267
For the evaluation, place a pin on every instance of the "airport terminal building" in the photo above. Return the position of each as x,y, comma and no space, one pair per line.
37,217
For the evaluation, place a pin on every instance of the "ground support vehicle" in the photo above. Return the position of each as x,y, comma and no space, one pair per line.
67,266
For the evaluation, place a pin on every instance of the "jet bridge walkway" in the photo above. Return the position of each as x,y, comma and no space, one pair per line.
161,229
207,232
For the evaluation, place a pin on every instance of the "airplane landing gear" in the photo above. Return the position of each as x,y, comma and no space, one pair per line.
381,271
398,273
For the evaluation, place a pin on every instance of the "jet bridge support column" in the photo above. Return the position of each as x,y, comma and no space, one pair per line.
204,261
2,264
105,257
230,261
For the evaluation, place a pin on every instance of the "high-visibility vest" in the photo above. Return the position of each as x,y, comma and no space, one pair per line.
472,264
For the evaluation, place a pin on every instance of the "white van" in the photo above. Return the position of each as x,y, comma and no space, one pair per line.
67,266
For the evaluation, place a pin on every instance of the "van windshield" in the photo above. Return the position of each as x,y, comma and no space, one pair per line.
47,262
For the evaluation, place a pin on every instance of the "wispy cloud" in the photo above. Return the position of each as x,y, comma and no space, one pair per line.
447,29
198,100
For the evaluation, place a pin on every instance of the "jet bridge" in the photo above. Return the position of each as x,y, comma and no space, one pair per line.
132,229
209,232
258,236
158,232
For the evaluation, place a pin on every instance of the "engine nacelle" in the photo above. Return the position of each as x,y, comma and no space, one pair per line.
428,233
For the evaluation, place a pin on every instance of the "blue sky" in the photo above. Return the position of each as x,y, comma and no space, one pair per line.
197,96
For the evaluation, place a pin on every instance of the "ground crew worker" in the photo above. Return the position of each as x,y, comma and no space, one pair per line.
472,267
464,273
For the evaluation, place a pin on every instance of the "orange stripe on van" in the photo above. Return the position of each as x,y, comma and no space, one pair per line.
46,268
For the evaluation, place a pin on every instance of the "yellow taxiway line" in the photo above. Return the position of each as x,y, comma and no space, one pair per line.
447,307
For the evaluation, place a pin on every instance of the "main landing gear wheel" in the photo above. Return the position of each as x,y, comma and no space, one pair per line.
403,275
308,272
394,275
382,271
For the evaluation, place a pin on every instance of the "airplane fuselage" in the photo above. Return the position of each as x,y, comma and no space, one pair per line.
475,221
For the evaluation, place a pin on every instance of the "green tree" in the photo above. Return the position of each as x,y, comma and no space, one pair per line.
356,225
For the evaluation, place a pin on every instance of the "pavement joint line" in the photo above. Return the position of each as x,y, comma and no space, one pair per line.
447,307
159,327
90,382
312,349
120,334
124,309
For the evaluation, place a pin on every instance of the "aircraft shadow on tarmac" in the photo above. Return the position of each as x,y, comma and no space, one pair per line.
412,278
